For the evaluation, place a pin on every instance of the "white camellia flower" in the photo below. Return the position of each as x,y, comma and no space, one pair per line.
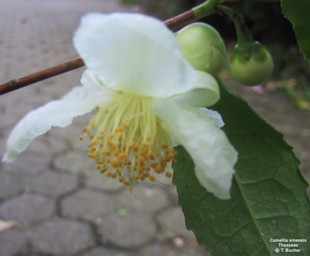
147,100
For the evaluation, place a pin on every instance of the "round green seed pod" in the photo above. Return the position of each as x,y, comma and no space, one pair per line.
203,47
251,65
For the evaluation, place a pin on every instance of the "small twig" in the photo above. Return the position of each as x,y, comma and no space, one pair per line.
15,84
180,20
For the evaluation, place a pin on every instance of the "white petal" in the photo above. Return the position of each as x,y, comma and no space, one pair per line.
214,116
59,113
208,146
209,114
91,82
133,53
204,94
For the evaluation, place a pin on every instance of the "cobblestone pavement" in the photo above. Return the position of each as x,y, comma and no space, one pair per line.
60,205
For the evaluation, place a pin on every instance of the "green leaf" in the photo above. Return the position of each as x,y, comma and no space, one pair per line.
297,12
269,198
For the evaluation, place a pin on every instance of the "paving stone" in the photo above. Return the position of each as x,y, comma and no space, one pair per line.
27,209
75,162
83,120
162,180
60,236
10,184
31,254
11,242
127,229
13,109
100,251
53,183
28,163
173,224
87,204
168,250
95,179
2,146
49,145
146,199
77,126
72,134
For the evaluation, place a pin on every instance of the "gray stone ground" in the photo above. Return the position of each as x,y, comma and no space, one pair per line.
60,204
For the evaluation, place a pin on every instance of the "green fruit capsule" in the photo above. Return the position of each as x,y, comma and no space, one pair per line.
203,47
251,65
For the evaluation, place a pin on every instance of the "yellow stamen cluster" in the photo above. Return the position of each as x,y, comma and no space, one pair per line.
127,140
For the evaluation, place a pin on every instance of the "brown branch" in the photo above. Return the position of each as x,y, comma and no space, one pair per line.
180,20
15,84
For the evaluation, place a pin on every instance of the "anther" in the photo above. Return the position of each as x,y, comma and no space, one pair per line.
152,178
168,174
114,162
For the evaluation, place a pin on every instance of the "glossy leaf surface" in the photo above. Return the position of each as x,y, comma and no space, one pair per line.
268,195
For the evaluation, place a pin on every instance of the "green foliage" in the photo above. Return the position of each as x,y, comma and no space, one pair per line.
298,14
268,192
127,2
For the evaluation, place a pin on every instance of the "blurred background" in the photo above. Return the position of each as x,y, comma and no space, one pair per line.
52,201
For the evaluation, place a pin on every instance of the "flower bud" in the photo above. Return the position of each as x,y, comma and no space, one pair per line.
251,65
203,47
